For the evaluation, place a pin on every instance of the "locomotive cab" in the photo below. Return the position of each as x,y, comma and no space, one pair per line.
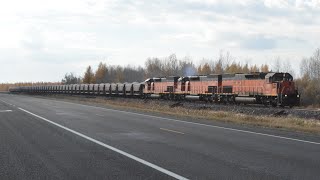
183,83
284,88
149,83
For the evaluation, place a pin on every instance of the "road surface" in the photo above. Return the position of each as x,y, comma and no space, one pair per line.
48,139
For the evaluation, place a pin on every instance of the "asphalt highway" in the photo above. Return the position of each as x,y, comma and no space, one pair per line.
51,139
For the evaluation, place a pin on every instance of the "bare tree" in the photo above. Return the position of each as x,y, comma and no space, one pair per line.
70,78
287,67
153,67
277,65
309,84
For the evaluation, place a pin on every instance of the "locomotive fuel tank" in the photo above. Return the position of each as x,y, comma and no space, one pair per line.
193,98
245,99
155,96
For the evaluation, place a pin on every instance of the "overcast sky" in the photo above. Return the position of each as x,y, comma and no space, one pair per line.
42,40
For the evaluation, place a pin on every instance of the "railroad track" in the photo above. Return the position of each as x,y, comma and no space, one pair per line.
249,109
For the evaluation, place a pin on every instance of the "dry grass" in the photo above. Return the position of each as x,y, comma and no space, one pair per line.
288,123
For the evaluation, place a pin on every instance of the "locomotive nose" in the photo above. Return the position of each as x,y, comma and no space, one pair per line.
287,88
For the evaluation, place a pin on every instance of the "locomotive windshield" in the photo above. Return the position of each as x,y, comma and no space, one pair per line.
277,77
183,79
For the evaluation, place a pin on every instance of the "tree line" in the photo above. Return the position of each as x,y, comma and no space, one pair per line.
162,67
309,82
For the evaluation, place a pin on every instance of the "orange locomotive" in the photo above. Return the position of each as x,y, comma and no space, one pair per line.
161,87
276,89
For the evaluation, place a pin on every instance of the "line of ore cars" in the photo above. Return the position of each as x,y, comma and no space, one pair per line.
276,89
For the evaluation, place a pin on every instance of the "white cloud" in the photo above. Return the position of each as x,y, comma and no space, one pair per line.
276,3
214,2
301,4
76,33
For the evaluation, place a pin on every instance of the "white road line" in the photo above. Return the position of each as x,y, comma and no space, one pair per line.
5,111
169,173
178,132
6,102
195,123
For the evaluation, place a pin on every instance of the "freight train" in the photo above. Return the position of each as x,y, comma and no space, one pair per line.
275,89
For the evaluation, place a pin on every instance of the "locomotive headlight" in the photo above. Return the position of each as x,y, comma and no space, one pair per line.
298,95
285,95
